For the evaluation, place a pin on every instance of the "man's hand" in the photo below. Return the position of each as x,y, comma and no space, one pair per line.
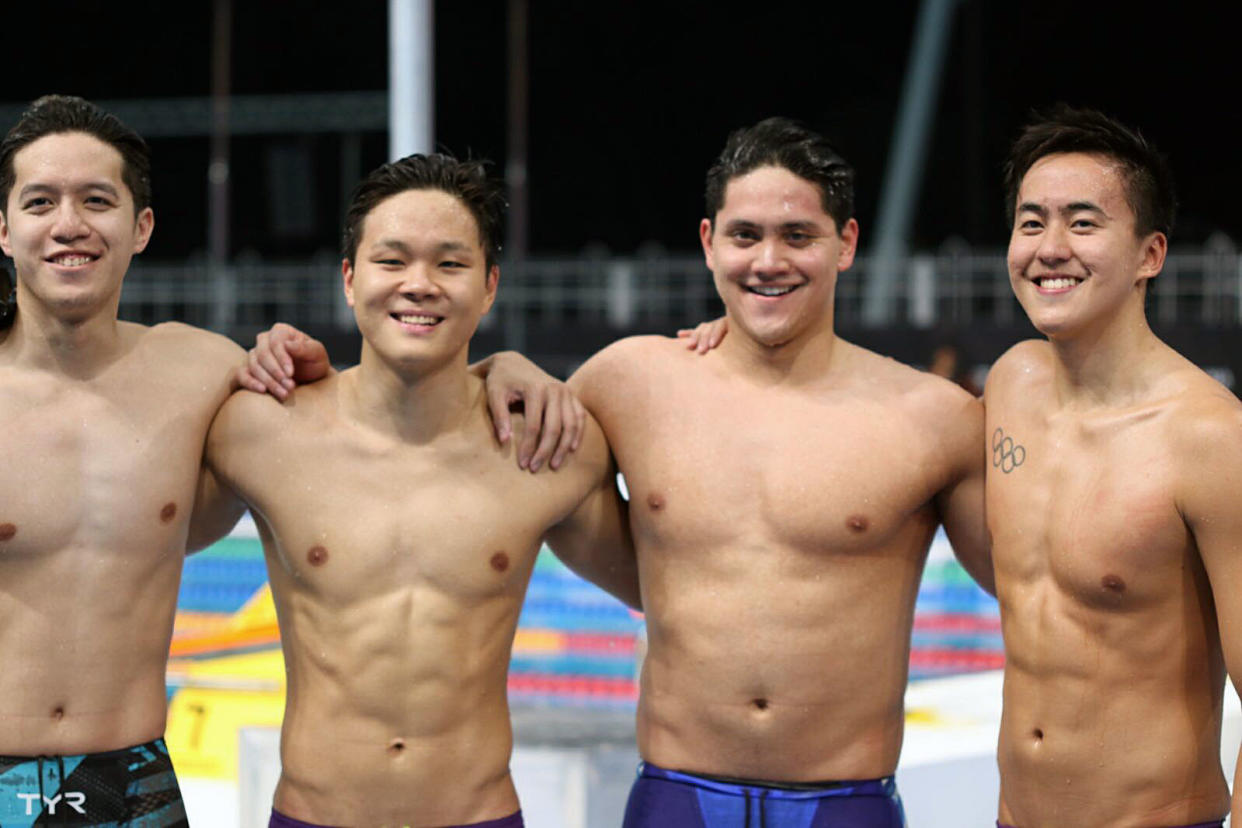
281,359
555,419
706,335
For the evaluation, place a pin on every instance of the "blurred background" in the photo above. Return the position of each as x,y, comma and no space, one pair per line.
602,119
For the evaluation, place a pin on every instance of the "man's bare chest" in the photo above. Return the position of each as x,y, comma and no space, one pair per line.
95,470
1092,510
345,527
809,476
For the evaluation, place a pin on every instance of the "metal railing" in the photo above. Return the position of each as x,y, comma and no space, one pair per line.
954,287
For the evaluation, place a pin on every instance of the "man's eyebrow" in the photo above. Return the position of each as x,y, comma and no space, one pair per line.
392,244
1079,206
450,246
1032,207
39,187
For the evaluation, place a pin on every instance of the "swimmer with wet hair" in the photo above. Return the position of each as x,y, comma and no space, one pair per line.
102,424
1113,482
832,466
400,535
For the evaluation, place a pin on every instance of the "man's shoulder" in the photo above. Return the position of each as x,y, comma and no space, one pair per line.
1026,362
628,357
1204,417
918,387
187,344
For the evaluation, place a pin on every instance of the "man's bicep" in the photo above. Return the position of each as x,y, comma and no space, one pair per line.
594,540
961,503
216,511
1210,507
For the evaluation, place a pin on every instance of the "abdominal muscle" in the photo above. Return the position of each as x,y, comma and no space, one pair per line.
796,682
1109,718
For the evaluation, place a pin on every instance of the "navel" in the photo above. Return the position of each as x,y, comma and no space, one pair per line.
499,561
317,555
1113,583
396,747
655,501
168,512
760,704
7,531
858,523
58,714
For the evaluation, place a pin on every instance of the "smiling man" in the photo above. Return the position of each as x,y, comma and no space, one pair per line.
1112,499
102,425
784,489
400,536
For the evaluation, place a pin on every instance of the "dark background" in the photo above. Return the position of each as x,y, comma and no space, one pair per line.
629,102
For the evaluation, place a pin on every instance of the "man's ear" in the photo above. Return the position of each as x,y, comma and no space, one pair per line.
144,224
347,281
705,238
493,280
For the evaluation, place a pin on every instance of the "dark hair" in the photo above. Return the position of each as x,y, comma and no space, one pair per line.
467,180
781,142
8,298
53,114
1145,172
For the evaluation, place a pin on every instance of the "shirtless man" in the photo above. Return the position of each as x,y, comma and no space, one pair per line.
399,535
102,425
1112,497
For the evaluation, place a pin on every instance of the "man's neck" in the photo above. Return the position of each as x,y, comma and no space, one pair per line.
411,408
1113,364
807,358
75,347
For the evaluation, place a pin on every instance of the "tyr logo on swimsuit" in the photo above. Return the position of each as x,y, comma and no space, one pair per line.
1006,454
74,799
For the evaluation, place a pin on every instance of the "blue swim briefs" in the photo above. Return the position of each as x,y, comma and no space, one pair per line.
671,799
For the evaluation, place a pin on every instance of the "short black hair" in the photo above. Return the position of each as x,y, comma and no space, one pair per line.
53,114
783,142
8,298
1062,128
467,180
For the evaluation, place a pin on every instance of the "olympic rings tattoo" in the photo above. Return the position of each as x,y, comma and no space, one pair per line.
1006,454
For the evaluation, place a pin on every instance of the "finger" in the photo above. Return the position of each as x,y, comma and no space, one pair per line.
569,430
498,405
270,384
718,333
549,435
280,362
534,401
269,354
690,336
245,380
580,415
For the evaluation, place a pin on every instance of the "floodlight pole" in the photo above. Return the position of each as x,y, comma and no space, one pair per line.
411,77
906,156
221,278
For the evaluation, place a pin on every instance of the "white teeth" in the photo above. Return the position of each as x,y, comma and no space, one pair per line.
71,261
1058,284
767,290
411,319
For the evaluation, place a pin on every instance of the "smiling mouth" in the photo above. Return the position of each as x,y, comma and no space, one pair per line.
1057,282
771,290
416,319
72,259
